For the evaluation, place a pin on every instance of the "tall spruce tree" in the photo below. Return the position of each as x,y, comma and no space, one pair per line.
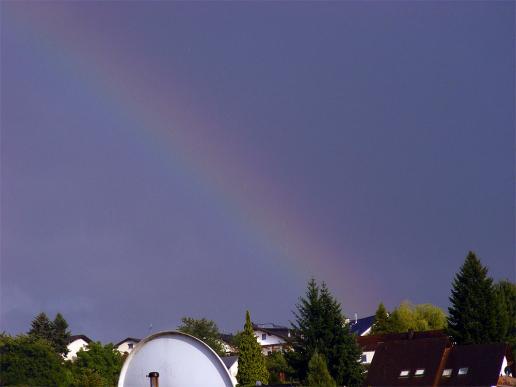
506,296
251,362
60,335
381,320
321,327
318,375
343,352
41,327
306,330
473,312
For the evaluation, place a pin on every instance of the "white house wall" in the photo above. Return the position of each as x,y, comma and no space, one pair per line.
74,347
124,347
233,371
269,339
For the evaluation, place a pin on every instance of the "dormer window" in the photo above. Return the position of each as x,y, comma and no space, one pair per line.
404,373
419,372
463,371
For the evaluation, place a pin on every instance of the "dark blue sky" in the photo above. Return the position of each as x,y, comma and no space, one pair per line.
168,159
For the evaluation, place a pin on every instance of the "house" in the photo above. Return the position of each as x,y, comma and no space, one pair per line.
126,345
226,340
436,361
75,344
272,337
361,326
231,363
370,343
406,362
479,365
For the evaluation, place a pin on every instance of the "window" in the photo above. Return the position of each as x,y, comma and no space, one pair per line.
404,373
463,371
447,372
130,345
419,372
269,353
364,359
264,336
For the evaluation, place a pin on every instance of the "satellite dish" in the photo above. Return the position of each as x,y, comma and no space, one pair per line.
176,360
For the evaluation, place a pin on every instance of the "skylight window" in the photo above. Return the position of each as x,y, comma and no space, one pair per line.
463,371
420,372
404,373
447,372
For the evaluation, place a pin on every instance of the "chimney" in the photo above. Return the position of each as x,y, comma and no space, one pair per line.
356,318
153,377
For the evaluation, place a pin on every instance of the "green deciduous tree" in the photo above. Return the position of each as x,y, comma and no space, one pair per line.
318,375
205,330
320,327
31,361
98,362
86,377
251,362
473,311
278,367
381,321
422,317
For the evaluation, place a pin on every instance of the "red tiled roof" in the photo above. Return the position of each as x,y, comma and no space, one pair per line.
371,342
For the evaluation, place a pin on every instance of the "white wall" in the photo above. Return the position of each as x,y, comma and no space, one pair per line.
227,347
74,347
269,339
124,347
504,364
271,343
233,371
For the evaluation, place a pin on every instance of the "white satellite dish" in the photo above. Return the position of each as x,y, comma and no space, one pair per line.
179,359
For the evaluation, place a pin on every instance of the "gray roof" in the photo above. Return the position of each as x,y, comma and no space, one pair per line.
128,339
71,339
229,361
361,325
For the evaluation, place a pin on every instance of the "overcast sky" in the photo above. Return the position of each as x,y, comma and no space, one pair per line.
163,159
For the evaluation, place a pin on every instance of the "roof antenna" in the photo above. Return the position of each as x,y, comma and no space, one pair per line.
150,328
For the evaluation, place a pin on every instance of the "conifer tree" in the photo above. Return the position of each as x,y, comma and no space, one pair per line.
473,312
251,362
60,334
381,320
318,375
342,351
306,330
506,296
41,327
320,327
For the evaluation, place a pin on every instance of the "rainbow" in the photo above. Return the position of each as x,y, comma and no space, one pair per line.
191,145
